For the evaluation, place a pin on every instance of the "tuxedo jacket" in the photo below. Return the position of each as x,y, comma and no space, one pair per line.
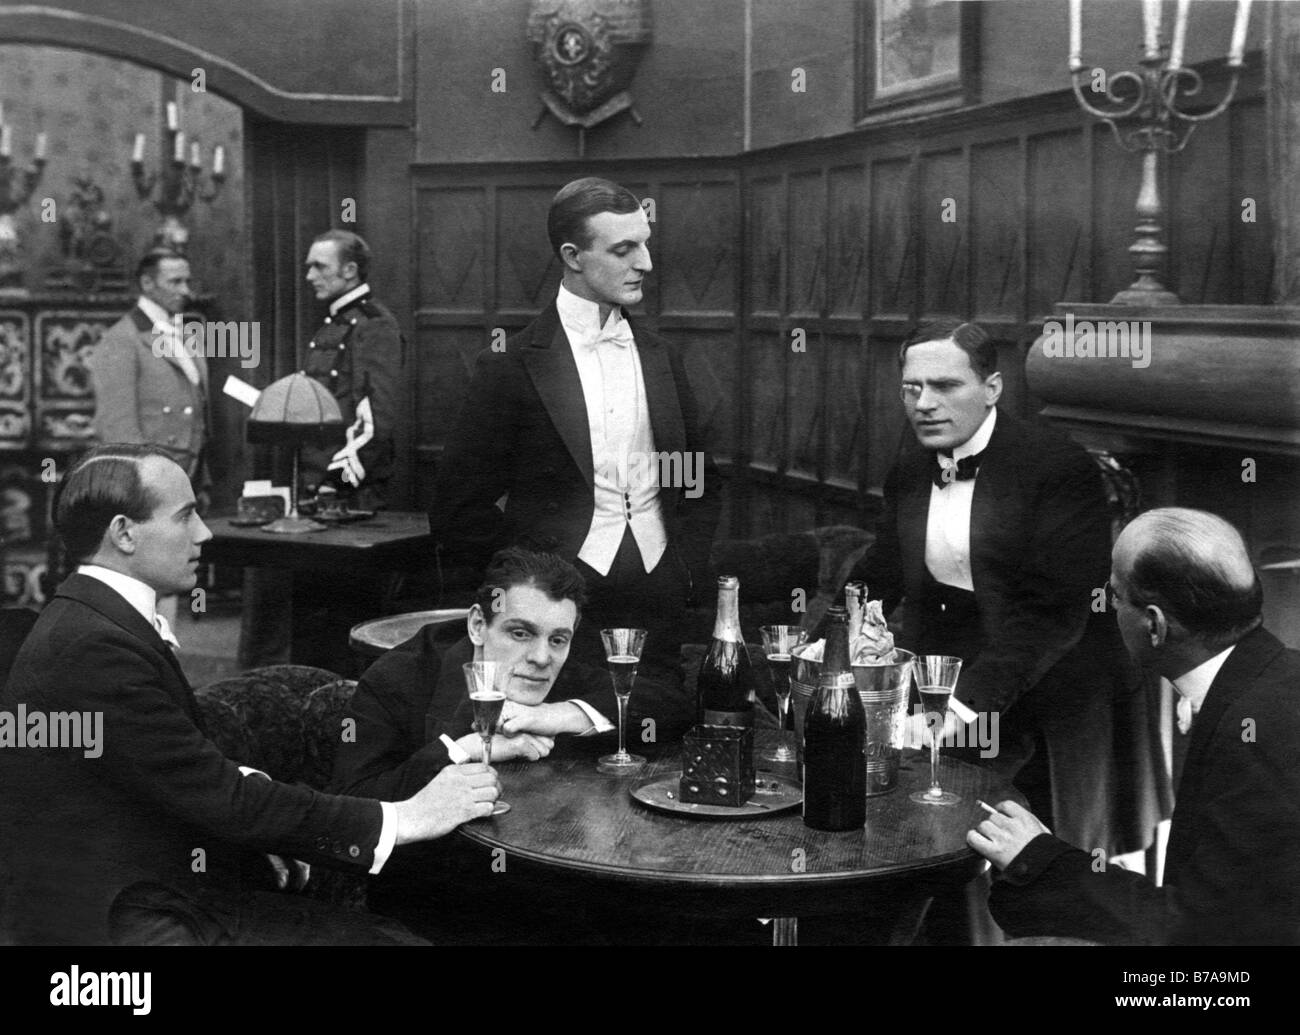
1049,664
144,398
1232,870
523,434
416,692
158,804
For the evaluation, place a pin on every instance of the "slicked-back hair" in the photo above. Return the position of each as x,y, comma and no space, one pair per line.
104,483
516,566
1185,564
577,201
969,337
152,259
350,248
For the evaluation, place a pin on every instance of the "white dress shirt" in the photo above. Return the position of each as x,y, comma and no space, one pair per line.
947,530
144,599
1194,685
165,326
622,444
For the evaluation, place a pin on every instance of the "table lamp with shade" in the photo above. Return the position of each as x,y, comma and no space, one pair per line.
292,411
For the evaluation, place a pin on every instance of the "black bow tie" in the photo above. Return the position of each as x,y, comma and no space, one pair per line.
963,472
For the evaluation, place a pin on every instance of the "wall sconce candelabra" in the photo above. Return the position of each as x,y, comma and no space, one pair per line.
16,186
1156,123
179,180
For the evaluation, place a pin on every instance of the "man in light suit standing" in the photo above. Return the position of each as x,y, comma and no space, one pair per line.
148,388
585,423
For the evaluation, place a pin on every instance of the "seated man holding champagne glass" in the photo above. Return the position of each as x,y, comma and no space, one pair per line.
524,619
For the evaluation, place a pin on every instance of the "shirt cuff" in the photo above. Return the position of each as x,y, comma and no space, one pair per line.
599,724
387,837
248,770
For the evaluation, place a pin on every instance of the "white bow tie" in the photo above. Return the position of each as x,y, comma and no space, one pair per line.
620,334
1184,712
165,631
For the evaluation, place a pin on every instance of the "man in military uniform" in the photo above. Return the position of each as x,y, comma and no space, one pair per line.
357,355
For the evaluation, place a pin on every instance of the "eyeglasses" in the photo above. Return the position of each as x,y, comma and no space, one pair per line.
910,391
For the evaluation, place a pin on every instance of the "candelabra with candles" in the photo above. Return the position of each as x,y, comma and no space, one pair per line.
179,180
1155,125
16,186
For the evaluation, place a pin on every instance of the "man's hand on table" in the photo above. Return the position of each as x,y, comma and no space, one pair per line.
1004,834
528,746
457,794
545,720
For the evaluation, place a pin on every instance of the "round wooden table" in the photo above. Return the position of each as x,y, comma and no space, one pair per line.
565,816
372,638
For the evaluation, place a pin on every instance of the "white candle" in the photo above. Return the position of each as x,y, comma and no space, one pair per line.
173,116
137,152
178,152
1076,33
1151,26
196,155
40,147
219,161
1239,32
6,141
1180,35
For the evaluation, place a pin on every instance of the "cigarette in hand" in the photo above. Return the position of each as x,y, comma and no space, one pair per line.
458,754
987,808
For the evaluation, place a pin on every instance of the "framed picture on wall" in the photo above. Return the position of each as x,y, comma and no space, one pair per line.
916,55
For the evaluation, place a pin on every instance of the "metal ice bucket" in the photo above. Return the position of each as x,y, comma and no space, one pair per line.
884,691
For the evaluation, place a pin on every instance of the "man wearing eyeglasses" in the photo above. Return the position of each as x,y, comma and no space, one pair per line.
995,536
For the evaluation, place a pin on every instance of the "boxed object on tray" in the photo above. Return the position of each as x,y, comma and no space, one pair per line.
718,765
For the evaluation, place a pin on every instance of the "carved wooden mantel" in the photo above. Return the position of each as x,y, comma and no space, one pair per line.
1220,376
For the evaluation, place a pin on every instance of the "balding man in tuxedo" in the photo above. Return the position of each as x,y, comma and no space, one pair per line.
1188,603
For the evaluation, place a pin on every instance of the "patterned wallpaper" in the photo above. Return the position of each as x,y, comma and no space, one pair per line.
91,108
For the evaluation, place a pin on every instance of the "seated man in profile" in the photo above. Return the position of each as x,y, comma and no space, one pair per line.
1188,605
525,617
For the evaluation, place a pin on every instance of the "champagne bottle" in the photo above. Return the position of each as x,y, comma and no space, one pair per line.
834,739
725,677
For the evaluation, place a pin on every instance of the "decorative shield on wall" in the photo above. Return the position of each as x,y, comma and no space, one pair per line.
587,51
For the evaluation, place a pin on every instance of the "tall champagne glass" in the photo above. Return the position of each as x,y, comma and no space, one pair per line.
483,684
936,679
623,649
779,642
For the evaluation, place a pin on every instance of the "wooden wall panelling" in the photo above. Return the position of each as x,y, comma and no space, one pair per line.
696,231
944,232
894,240
526,271
997,230
452,254
1200,239
1251,256
805,403
1059,226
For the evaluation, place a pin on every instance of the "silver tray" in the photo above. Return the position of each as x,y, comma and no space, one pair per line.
771,794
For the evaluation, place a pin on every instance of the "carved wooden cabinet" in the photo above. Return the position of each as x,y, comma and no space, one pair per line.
46,407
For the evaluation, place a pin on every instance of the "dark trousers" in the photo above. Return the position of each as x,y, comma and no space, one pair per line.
150,913
629,596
